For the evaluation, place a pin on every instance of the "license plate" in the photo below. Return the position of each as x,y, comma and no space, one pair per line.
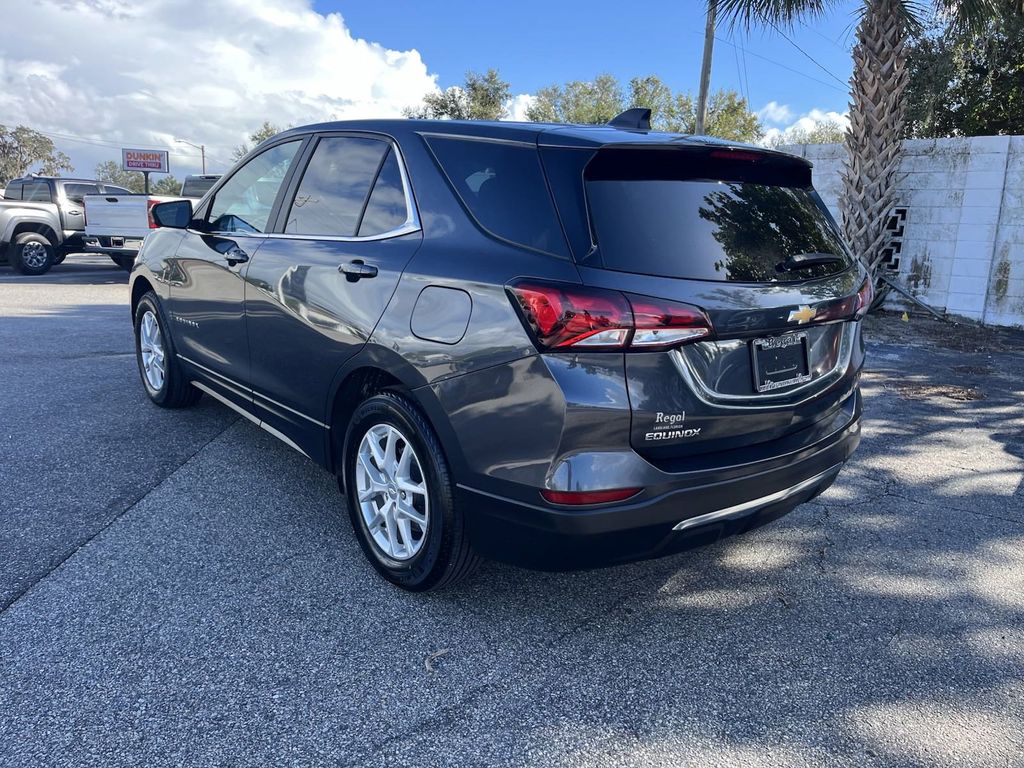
780,361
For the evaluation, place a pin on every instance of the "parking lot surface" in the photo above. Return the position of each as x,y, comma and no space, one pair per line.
180,588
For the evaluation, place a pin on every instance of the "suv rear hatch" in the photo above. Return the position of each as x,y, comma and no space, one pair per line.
741,235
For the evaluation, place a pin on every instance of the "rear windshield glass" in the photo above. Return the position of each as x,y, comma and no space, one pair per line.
739,227
197,187
502,185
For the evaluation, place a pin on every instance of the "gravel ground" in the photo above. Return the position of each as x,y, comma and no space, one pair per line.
180,588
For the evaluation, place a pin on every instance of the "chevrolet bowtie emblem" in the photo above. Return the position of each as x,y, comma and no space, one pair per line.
802,314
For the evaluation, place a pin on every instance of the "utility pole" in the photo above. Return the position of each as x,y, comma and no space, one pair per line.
200,147
705,70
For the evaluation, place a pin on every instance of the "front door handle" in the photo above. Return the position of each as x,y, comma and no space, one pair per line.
357,269
235,256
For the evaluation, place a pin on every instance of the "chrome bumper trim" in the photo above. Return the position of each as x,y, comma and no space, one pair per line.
739,510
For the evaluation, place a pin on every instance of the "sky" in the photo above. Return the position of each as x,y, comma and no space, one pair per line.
209,71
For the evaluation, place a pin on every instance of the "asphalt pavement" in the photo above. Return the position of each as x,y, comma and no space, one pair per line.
178,588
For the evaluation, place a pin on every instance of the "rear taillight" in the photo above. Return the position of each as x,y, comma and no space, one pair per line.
149,213
865,296
561,316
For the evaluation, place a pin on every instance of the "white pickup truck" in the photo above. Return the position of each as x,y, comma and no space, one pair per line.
117,224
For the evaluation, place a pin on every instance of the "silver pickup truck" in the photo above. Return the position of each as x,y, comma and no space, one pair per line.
42,220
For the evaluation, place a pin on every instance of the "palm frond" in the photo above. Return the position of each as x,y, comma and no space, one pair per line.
751,13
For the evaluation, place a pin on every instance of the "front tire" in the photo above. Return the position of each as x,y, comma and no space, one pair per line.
31,254
162,376
401,497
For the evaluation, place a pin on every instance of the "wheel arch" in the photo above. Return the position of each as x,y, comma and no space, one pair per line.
36,228
378,369
140,287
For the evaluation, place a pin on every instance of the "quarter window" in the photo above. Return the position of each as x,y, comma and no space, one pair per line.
503,186
245,201
386,209
335,189
76,192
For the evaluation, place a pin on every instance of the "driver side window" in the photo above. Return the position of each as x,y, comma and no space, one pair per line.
244,203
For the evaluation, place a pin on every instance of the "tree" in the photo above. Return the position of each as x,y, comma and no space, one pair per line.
598,101
256,138
166,185
825,132
583,102
961,84
481,97
877,99
112,173
21,148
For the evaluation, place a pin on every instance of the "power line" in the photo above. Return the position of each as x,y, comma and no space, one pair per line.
813,60
783,66
739,73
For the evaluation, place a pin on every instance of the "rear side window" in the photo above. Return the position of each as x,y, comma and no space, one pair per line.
13,191
336,185
693,217
503,187
76,192
37,192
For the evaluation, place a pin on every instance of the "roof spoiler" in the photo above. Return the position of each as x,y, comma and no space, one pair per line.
636,119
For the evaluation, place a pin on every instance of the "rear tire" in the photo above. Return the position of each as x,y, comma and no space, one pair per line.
419,541
124,262
31,254
162,375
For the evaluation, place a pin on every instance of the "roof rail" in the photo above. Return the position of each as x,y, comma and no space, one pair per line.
636,119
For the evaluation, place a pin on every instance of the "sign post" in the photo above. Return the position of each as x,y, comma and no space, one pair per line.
145,160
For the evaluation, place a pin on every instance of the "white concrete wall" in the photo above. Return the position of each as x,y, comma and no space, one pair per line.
963,245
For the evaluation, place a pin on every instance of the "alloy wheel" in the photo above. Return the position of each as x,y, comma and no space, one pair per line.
33,255
151,344
392,492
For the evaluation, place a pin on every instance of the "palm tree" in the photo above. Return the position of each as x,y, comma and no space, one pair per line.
877,103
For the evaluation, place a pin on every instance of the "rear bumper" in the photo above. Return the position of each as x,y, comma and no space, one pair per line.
111,246
690,515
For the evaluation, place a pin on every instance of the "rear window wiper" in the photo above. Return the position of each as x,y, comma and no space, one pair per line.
805,260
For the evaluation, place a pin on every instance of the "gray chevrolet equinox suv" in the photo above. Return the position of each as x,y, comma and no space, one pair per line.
551,345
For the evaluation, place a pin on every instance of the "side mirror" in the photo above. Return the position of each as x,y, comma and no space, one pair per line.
176,214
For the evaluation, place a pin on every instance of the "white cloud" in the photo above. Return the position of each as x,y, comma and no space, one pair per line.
209,71
516,108
773,112
804,123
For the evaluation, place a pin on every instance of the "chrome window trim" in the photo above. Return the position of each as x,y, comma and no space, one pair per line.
412,216
485,139
251,391
757,400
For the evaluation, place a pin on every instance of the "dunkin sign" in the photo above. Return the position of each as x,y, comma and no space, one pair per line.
152,160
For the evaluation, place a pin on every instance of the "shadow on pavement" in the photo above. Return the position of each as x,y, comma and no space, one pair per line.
229,616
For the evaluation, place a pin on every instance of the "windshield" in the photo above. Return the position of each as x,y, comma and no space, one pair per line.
738,227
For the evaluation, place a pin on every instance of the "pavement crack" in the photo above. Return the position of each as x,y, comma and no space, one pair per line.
131,505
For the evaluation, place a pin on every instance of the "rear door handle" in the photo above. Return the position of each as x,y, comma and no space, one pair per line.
357,269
